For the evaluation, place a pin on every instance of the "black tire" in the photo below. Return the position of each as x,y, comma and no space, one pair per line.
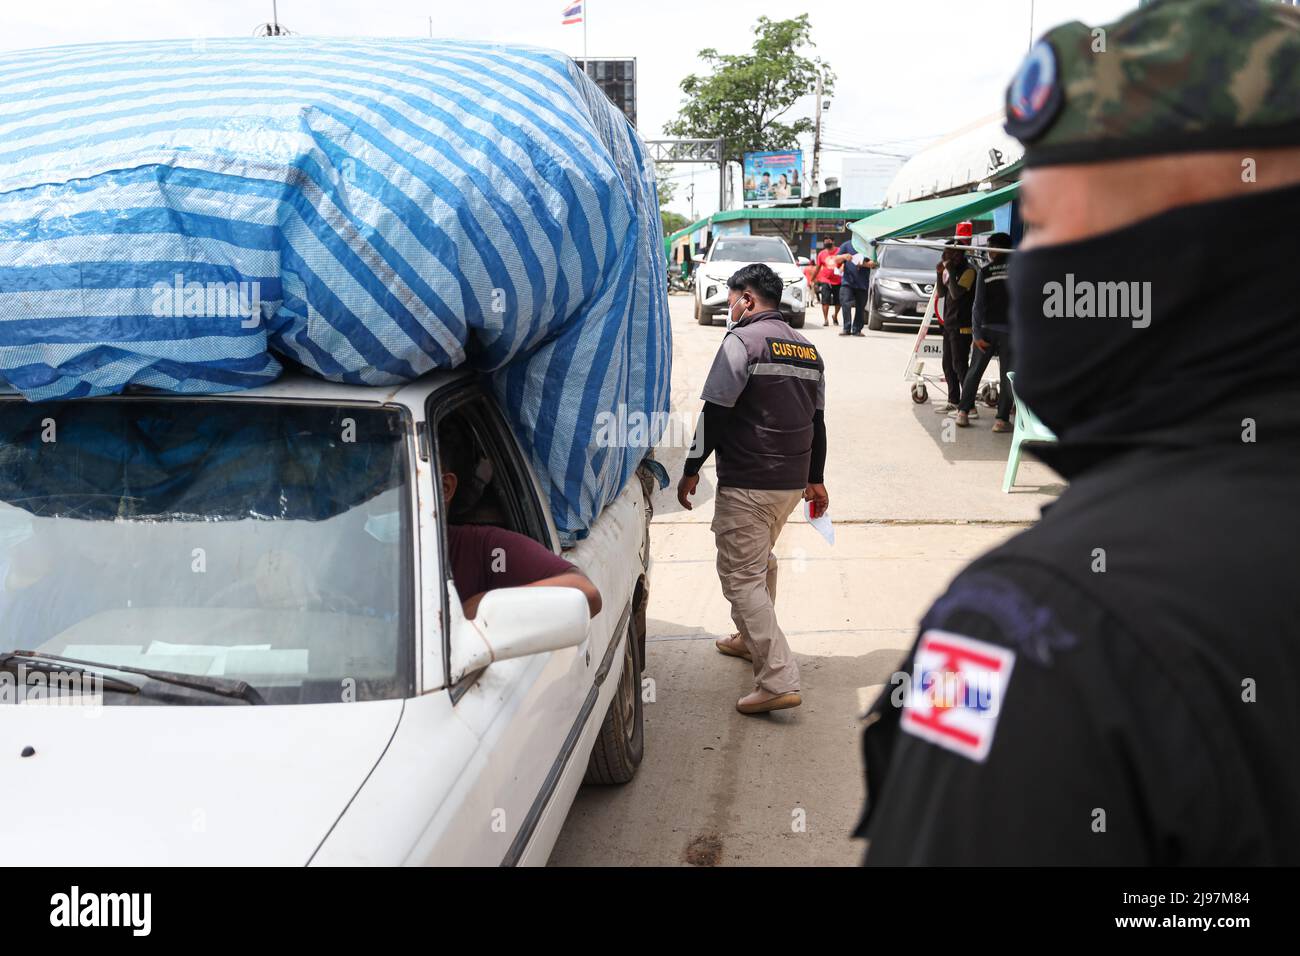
702,315
874,321
621,742
796,319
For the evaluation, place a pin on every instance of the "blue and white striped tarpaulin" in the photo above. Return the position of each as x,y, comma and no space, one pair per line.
184,215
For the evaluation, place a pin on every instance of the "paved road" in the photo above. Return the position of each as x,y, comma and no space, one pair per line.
911,508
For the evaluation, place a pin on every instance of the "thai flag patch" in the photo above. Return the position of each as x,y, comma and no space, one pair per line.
958,684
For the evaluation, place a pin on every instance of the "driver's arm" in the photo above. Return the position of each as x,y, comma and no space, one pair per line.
505,559
572,579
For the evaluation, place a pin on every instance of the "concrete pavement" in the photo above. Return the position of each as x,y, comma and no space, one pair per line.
912,502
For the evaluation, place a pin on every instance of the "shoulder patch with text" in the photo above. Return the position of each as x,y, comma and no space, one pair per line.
793,353
958,685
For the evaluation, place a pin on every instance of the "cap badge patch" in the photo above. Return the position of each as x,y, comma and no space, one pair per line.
1034,96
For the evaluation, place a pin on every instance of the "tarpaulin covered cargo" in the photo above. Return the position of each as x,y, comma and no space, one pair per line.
188,215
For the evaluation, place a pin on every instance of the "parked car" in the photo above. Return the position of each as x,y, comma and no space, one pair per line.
901,286
261,580
729,253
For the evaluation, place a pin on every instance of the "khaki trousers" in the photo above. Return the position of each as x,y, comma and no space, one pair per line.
746,524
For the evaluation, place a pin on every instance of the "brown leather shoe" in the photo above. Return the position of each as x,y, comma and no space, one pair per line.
733,646
761,702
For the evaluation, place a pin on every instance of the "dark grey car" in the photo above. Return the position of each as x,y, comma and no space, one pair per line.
901,287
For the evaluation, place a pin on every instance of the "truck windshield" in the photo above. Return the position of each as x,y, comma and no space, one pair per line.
266,541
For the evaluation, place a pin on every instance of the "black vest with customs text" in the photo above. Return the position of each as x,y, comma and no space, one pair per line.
768,445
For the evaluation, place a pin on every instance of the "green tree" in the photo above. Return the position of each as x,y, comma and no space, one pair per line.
666,187
673,221
744,97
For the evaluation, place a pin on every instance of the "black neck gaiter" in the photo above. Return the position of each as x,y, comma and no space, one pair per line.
1156,324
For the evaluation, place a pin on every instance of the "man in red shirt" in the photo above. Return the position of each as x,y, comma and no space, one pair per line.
485,557
828,282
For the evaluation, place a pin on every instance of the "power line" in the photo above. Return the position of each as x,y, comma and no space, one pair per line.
854,131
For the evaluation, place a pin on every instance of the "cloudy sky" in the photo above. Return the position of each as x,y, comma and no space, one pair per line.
909,71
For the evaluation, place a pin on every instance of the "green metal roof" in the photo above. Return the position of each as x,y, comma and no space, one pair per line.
927,215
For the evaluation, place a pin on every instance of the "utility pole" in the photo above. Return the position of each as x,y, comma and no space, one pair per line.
817,143
724,170
690,194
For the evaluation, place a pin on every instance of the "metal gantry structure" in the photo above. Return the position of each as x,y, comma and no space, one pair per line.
709,151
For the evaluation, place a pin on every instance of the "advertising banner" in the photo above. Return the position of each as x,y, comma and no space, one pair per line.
773,177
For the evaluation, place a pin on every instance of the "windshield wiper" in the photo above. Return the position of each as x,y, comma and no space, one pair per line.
222,686
10,662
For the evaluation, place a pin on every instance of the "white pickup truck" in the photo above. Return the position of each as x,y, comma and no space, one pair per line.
256,589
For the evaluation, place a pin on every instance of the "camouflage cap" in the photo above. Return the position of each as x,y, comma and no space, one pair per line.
1172,76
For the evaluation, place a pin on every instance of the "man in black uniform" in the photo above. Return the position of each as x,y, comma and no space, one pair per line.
989,318
1121,683
955,277
764,403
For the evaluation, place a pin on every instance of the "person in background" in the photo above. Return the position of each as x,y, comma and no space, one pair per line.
855,288
955,277
828,282
990,317
764,402
1116,685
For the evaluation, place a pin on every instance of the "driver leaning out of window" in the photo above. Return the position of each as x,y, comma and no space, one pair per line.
485,557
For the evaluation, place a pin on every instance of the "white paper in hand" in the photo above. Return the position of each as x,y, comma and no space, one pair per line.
822,524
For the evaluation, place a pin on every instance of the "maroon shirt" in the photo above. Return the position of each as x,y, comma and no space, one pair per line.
485,557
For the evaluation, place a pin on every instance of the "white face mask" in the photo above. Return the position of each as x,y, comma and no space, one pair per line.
731,314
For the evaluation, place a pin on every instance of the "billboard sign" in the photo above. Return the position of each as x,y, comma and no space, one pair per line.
773,177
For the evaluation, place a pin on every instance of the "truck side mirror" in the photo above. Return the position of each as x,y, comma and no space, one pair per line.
519,622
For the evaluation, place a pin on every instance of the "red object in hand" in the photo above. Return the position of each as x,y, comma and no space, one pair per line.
815,509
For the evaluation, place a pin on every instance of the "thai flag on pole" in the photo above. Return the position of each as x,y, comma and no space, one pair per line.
573,12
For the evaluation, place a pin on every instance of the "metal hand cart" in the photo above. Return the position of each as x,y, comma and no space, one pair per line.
926,350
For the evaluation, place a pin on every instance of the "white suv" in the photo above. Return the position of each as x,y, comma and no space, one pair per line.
729,253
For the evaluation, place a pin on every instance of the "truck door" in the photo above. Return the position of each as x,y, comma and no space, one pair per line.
522,711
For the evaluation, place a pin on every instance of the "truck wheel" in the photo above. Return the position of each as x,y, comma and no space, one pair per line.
874,322
701,316
621,743
796,320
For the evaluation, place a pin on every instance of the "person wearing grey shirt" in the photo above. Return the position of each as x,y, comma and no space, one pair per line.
764,402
